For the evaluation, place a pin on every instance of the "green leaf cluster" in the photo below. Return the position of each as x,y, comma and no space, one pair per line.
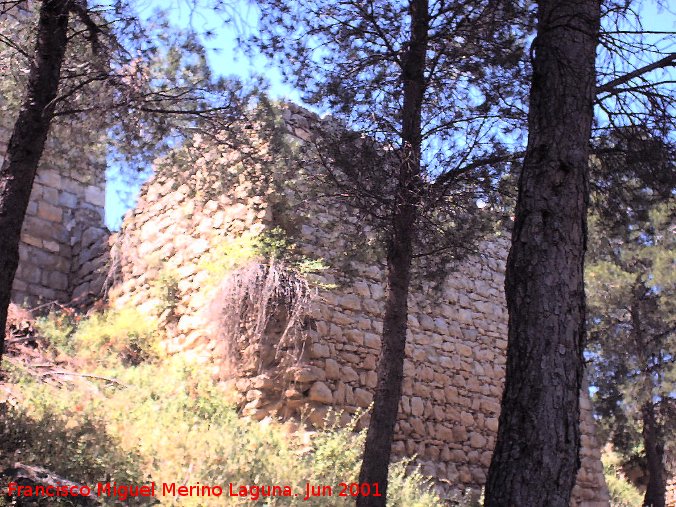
631,295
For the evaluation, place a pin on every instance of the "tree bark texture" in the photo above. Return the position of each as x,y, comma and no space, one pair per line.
535,460
653,442
27,141
655,494
390,370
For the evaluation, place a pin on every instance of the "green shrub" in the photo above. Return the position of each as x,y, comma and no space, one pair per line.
58,328
229,255
123,334
67,434
622,492
126,334
170,423
235,253
410,489
165,290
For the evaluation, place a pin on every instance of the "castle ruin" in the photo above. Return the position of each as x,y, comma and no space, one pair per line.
190,219
64,239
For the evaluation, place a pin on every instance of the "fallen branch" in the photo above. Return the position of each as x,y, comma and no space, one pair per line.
33,475
85,375
20,339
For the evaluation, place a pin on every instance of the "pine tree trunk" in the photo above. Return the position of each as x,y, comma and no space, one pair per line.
27,142
655,494
535,460
390,368
390,365
653,443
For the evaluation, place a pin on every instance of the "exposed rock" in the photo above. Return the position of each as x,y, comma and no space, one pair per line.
320,392
363,398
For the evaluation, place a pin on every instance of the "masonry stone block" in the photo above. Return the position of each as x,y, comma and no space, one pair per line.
50,177
320,392
332,369
95,195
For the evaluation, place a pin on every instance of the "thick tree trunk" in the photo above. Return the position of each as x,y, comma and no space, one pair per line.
655,494
390,368
28,140
536,455
653,442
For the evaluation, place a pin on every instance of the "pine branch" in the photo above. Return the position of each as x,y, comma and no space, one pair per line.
79,7
611,86
451,176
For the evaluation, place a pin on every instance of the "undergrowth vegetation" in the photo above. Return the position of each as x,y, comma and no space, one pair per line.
140,419
112,336
622,492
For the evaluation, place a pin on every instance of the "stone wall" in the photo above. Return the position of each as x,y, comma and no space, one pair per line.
63,240
186,221
670,458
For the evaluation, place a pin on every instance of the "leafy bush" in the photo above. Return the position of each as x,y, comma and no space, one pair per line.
58,328
410,489
622,492
65,432
235,253
165,289
229,255
125,333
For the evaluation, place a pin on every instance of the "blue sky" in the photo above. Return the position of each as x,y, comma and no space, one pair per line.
225,59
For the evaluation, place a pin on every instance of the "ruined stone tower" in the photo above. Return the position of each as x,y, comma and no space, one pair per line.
173,257
63,240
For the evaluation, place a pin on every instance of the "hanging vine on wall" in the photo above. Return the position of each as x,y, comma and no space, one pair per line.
261,310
